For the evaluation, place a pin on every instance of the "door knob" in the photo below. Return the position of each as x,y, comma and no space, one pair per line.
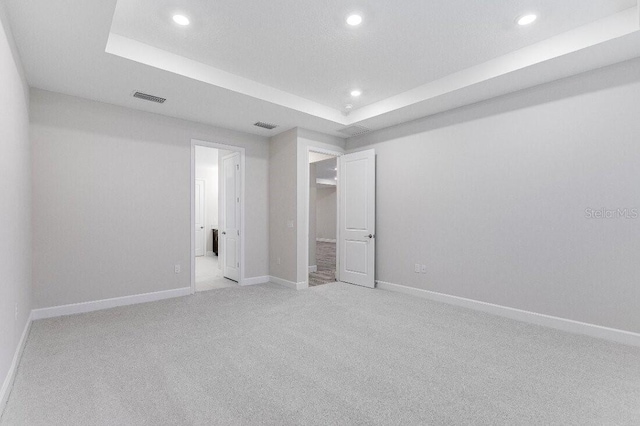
369,236
202,227
224,233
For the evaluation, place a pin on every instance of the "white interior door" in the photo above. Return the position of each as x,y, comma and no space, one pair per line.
230,238
199,210
357,218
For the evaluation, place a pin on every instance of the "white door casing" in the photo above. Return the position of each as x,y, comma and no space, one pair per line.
356,218
200,217
230,235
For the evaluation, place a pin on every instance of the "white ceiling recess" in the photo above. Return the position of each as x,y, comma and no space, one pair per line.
245,61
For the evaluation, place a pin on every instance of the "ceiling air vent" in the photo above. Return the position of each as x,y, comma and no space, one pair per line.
354,130
150,98
264,125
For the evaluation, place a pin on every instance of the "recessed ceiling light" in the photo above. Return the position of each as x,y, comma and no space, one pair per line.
354,20
181,20
527,19
356,93
348,106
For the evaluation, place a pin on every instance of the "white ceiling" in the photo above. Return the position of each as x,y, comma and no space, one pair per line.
306,48
241,62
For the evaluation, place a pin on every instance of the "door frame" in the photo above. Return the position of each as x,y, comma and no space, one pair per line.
306,185
221,146
204,213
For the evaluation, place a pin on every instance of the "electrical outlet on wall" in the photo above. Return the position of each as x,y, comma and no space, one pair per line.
423,269
279,261
177,269
416,268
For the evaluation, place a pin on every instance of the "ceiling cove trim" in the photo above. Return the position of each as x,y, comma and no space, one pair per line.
603,30
143,53
584,37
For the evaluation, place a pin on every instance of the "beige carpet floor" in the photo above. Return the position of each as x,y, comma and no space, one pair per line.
335,354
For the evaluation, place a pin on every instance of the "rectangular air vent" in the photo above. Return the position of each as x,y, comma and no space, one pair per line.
354,130
150,98
264,125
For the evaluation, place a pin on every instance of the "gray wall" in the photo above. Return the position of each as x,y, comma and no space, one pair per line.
282,205
112,199
15,200
326,208
492,199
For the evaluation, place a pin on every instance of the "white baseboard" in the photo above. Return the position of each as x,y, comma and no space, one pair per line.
290,284
96,305
313,268
11,374
571,326
325,240
255,280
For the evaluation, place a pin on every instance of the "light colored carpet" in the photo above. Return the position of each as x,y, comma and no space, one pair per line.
326,262
209,275
333,354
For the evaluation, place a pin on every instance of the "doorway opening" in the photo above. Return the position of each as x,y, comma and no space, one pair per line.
323,218
217,219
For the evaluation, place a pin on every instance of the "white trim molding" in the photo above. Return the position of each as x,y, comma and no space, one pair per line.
563,324
255,280
290,284
11,374
326,240
96,305
313,268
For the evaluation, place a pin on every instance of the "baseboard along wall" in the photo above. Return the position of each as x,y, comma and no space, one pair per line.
563,324
255,280
7,384
77,308
290,284
326,240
